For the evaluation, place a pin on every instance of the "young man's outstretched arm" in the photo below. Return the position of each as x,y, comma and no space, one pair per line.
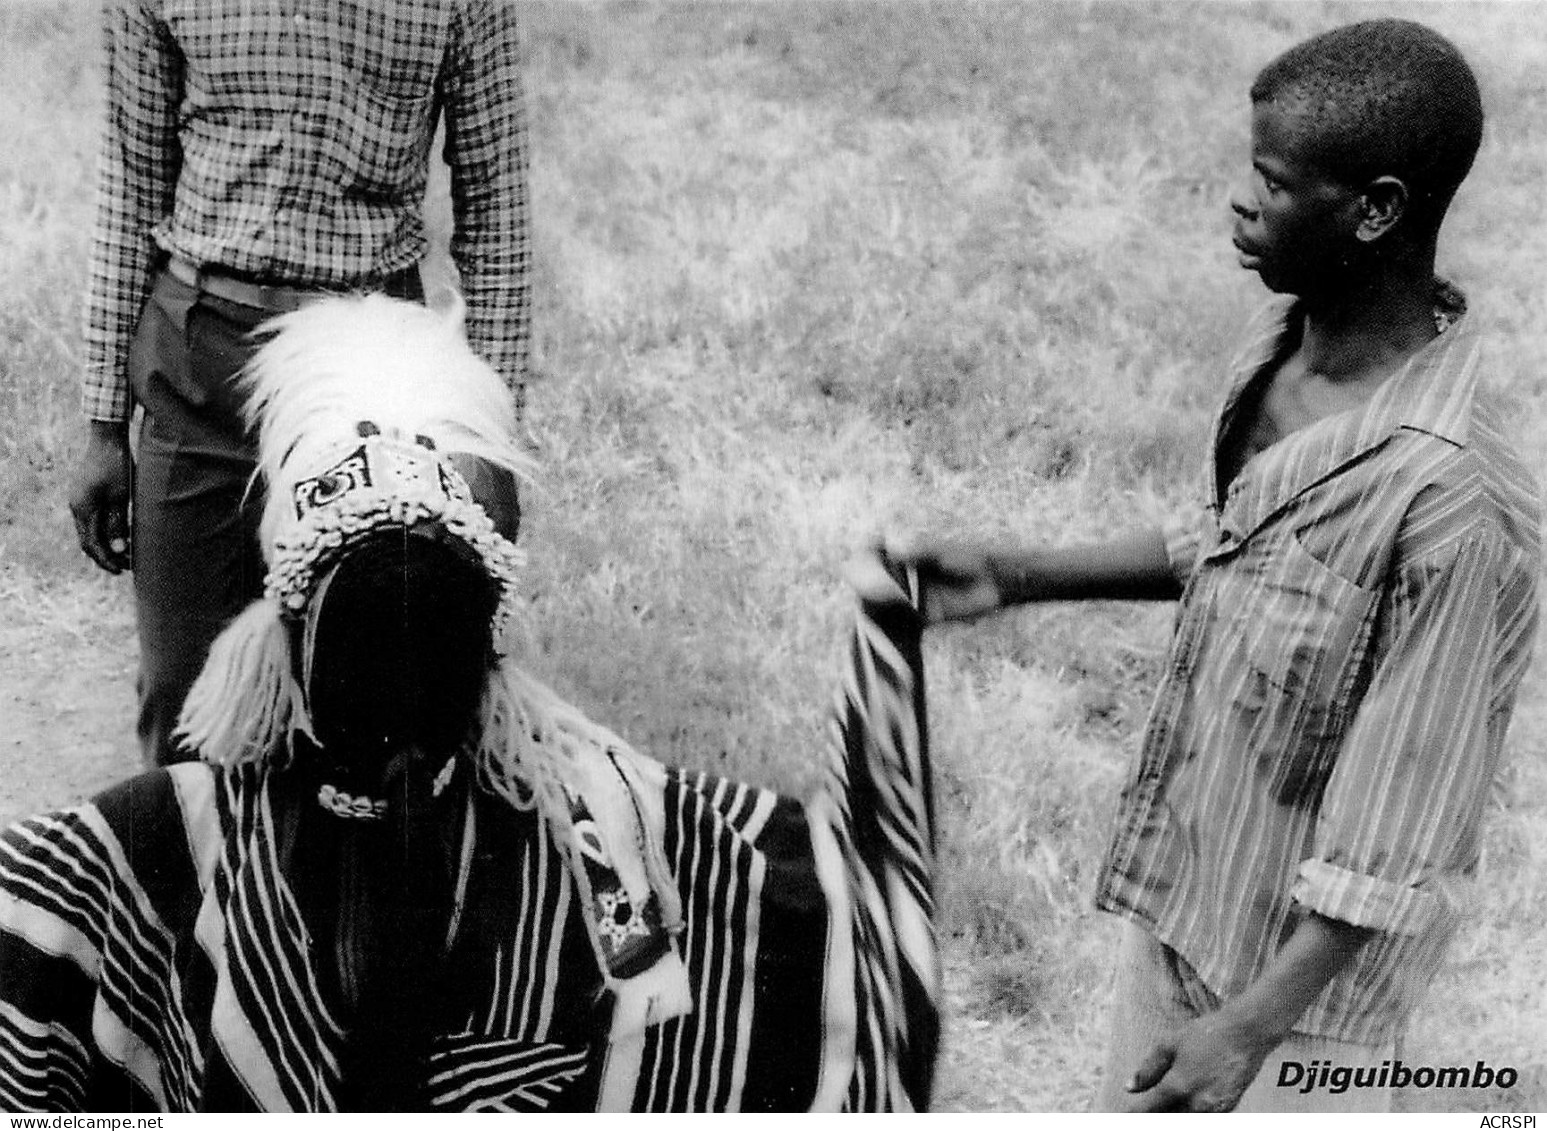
963,581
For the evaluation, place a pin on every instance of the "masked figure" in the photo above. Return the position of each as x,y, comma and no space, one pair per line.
406,875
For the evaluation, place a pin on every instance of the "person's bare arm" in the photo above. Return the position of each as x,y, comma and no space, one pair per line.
965,581
1208,1064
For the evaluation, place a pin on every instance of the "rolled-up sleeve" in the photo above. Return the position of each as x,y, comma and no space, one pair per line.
1398,830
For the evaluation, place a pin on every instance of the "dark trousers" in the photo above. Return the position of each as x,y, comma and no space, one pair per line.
197,561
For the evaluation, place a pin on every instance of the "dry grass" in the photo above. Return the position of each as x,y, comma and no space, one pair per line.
809,269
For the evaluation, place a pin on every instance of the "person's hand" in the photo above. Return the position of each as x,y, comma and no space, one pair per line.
494,489
100,493
958,582
1207,1065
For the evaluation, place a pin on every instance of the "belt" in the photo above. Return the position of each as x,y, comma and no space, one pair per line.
279,299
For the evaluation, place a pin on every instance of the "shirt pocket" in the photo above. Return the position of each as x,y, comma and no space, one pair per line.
1304,631
237,64
386,101
393,49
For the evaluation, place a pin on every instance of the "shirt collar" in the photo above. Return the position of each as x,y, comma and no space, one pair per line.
1433,390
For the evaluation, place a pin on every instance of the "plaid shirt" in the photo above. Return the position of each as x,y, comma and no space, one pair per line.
288,140
1358,614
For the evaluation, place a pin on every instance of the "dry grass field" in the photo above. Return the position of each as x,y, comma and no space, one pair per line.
805,271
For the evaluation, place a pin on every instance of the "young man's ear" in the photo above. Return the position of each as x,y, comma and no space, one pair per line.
1381,207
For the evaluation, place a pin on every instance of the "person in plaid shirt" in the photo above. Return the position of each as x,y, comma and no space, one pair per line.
1296,841
258,153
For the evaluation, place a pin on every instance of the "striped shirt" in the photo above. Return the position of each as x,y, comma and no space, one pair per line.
1358,612
288,141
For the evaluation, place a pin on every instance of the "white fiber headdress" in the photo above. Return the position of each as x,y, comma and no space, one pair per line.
359,404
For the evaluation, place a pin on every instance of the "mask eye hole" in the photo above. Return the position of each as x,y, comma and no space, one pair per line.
327,488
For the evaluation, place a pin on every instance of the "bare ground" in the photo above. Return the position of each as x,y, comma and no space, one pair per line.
66,691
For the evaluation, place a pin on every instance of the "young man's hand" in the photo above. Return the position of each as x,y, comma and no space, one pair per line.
100,494
958,582
1208,1064
963,581
1205,1066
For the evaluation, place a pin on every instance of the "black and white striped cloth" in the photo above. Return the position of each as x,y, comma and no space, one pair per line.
154,956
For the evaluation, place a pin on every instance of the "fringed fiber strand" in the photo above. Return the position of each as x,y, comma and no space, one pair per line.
246,702
534,748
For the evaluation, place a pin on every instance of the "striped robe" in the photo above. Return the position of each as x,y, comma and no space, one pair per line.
153,956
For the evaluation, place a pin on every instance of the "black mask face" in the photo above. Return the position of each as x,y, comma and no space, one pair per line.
398,644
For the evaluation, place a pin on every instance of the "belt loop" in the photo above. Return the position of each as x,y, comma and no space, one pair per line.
186,272
179,308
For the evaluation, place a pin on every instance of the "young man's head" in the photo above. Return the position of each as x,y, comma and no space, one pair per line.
1360,138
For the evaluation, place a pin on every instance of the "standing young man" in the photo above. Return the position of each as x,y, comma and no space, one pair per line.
257,153
1358,601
